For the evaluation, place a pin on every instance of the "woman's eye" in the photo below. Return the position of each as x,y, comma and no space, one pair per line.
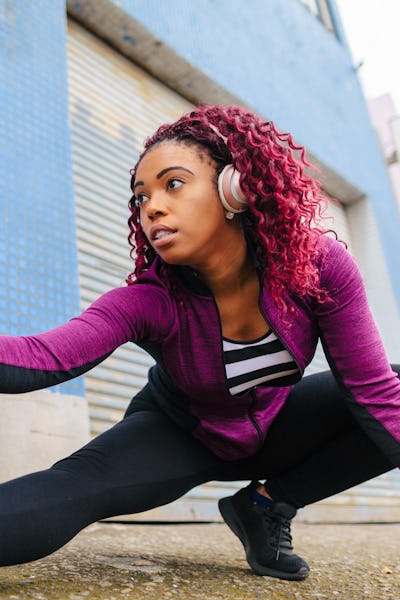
172,184
140,199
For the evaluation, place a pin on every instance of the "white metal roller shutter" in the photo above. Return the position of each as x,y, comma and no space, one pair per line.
375,500
114,105
337,221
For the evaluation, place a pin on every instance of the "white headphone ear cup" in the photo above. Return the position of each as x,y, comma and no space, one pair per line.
230,192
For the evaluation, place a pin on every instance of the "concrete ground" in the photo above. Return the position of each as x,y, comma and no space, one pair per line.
112,561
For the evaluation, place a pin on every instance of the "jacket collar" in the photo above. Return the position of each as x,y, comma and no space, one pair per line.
191,281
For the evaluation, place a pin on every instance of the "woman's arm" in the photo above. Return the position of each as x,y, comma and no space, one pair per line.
355,352
136,312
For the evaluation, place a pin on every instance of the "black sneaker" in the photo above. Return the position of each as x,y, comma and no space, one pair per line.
265,534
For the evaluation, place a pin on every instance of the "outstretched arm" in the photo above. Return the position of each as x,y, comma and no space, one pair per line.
136,313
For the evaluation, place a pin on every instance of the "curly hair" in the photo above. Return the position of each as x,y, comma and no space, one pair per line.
284,213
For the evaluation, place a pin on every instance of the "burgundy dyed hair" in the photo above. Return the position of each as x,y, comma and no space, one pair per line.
282,220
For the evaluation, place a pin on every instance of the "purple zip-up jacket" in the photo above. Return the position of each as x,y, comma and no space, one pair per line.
189,381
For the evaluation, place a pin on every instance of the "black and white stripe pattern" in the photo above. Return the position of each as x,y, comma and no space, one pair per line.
248,364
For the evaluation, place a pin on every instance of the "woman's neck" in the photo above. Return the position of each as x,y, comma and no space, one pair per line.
229,272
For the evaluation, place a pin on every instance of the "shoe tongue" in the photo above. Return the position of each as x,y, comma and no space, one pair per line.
287,511
259,499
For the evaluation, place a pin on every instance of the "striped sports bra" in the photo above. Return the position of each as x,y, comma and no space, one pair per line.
248,364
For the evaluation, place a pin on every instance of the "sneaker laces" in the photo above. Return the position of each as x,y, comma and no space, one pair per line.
279,531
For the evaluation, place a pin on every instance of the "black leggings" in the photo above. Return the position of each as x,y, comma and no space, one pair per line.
313,450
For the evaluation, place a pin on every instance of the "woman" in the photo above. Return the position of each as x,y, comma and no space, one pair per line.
233,285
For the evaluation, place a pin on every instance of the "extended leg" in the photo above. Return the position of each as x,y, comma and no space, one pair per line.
142,462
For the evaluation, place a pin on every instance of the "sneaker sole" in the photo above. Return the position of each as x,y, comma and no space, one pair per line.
233,521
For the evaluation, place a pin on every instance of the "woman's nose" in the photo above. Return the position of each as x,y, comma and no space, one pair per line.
155,206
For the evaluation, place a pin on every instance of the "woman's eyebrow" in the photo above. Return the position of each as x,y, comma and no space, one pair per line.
161,173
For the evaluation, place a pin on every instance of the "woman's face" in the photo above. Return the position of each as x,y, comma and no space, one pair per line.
180,212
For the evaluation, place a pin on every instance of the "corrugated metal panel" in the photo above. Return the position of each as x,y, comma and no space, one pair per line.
377,499
338,222
114,105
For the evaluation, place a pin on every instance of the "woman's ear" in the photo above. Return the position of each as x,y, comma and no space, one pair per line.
230,193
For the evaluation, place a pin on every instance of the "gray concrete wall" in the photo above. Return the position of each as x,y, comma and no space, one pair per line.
39,428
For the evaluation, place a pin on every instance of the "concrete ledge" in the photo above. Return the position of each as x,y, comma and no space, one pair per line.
39,428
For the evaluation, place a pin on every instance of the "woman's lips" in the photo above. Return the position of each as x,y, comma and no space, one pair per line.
161,235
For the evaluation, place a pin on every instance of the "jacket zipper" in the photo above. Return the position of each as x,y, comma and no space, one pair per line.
301,371
253,420
252,393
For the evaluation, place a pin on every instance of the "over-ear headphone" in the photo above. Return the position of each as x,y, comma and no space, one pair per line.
230,192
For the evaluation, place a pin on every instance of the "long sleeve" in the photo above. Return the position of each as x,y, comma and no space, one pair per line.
355,352
132,313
